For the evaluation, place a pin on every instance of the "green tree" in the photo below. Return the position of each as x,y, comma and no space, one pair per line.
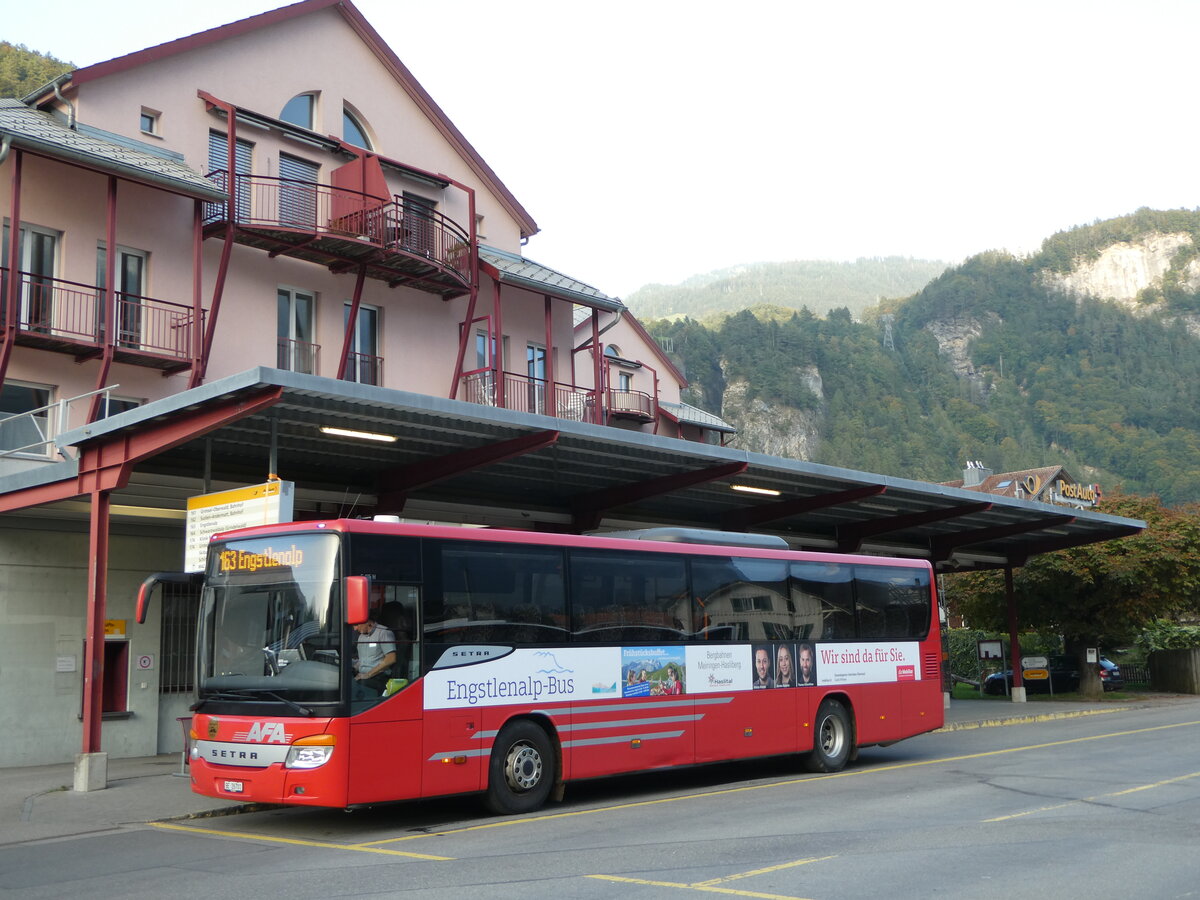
23,70
1099,594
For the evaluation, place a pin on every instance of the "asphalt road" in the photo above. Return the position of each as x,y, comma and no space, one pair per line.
1106,806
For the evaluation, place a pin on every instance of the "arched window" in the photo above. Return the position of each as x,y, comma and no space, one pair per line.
353,131
300,110
612,350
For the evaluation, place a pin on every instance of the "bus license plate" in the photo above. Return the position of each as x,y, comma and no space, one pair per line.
233,787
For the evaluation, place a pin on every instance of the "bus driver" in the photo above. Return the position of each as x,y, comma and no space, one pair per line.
376,648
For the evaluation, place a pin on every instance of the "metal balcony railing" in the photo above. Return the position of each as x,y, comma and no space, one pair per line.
631,404
32,432
297,356
392,223
534,395
364,368
53,308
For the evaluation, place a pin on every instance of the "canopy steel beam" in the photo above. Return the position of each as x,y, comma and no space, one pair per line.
742,519
588,509
942,547
850,537
106,465
396,484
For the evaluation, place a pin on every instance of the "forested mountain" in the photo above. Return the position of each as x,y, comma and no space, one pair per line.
1086,354
818,286
23,70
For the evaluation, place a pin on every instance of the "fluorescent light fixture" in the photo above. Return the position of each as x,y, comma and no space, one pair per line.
748,489
359,435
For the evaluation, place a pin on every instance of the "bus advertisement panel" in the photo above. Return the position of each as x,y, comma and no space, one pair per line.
352,662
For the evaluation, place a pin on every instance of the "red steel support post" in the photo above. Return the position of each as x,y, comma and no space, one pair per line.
352,323
12,319
498,349
97,595
1014,639
196,345
109,315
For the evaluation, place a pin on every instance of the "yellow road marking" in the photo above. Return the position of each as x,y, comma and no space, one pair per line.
1132,790
377,846
691,887
854,773
361,848
768,869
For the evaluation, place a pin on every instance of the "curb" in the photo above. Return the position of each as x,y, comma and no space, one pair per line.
1027,720
221,812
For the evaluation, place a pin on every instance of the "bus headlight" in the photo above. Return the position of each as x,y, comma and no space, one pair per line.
310,752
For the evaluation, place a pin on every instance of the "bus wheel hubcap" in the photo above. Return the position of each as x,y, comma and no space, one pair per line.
831,737
524,769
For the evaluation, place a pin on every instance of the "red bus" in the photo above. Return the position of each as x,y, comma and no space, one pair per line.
352,662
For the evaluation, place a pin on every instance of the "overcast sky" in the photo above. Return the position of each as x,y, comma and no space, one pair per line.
656,139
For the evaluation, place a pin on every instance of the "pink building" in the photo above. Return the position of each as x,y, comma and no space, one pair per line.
279,192
359,237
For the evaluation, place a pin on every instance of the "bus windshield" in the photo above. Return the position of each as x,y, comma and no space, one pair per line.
271,620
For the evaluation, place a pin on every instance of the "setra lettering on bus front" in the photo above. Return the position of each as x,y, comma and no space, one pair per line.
221,753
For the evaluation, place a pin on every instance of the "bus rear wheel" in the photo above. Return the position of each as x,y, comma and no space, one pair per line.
521,769
832,738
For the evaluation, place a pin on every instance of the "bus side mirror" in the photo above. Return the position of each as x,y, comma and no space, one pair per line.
146,590
358,596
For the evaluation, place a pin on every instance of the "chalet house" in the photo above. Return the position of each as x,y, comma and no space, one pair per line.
1045,484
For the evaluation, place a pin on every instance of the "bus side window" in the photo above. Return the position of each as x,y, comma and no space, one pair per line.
830,585
631,597
744,598
892,602
398,614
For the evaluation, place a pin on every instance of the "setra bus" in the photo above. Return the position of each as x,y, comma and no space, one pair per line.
354,662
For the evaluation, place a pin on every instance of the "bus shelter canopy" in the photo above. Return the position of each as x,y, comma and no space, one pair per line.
433,459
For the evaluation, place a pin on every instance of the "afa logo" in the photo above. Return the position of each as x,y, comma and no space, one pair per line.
264,733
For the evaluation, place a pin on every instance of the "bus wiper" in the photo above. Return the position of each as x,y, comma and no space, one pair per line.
250,694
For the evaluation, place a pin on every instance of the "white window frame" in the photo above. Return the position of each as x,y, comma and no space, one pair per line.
355,344
43,423
292,293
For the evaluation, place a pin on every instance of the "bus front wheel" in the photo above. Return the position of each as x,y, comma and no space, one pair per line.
521,769
832,738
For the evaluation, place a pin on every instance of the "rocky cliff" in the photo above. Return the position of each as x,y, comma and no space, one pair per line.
773,428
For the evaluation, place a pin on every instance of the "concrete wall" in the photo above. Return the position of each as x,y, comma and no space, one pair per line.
43,583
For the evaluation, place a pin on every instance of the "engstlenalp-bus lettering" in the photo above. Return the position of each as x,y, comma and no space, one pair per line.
494,688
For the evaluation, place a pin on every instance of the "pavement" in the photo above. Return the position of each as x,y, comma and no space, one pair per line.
39,803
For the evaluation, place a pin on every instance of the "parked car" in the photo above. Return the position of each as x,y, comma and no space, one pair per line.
1064,678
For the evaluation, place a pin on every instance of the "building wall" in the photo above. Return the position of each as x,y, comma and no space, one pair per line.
43,580
262,71
43,561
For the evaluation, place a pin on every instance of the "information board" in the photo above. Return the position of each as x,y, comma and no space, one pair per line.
259,504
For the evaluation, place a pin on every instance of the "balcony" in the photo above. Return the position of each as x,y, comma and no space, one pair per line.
560,401
398,241
64,316
637,405
297,356
364,368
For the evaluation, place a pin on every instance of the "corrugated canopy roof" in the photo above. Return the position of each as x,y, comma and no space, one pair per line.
456,461
693,415
509,268
44,134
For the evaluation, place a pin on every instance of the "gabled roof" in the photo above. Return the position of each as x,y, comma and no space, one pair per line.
42,133
693,415
510,268
582,323
374,42
1005,484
